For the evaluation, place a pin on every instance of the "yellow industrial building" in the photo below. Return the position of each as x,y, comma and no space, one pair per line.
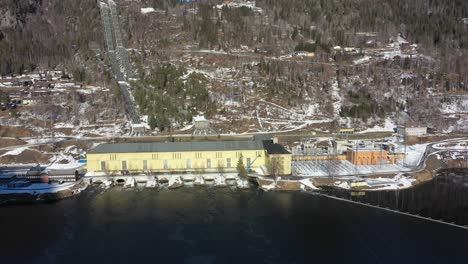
194,157
346,131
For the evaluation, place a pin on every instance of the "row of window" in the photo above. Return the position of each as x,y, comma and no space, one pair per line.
166,164
198,155
374,157
176,155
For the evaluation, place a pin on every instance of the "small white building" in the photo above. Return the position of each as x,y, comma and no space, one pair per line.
412,129
201,126
200,122
29,101
139,128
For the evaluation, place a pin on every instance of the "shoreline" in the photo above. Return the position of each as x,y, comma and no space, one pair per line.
264,183
432,167
420,177
51,193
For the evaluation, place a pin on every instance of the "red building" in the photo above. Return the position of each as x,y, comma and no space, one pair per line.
368,156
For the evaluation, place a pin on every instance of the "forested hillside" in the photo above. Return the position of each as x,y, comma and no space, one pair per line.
36,32
46,32
356,61
368,56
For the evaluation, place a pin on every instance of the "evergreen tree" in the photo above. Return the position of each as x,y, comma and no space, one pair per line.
294,34
4,98
152,122
241,170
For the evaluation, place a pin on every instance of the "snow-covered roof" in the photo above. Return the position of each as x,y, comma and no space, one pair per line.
199,118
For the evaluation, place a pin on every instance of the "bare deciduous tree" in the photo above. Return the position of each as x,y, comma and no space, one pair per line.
275,166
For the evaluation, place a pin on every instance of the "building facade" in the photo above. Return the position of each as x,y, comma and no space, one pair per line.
368,156
181,157
412,129
346,131
278,160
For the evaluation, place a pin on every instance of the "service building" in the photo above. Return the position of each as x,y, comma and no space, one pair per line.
412,129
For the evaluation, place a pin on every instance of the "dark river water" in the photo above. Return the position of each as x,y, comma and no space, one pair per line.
211,225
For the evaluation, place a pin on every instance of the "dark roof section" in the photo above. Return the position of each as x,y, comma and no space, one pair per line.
177,146
262,137
273,148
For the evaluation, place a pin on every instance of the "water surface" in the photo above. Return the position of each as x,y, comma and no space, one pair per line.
210,225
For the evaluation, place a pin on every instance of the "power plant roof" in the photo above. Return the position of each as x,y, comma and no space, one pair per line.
177,146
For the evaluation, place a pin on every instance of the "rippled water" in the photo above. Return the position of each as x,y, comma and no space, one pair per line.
210,225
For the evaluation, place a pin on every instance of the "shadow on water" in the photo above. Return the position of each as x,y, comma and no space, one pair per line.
221,225
444,198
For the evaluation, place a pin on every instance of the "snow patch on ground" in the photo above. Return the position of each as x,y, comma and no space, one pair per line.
209,75
269,187
44,140
307,183
63,161
457,145
414,153
312,109
146,10
14,152
342,185
240,3
459,105
396,183
242,183
187,127
336,97
364,59
377,184
388,127
63,125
